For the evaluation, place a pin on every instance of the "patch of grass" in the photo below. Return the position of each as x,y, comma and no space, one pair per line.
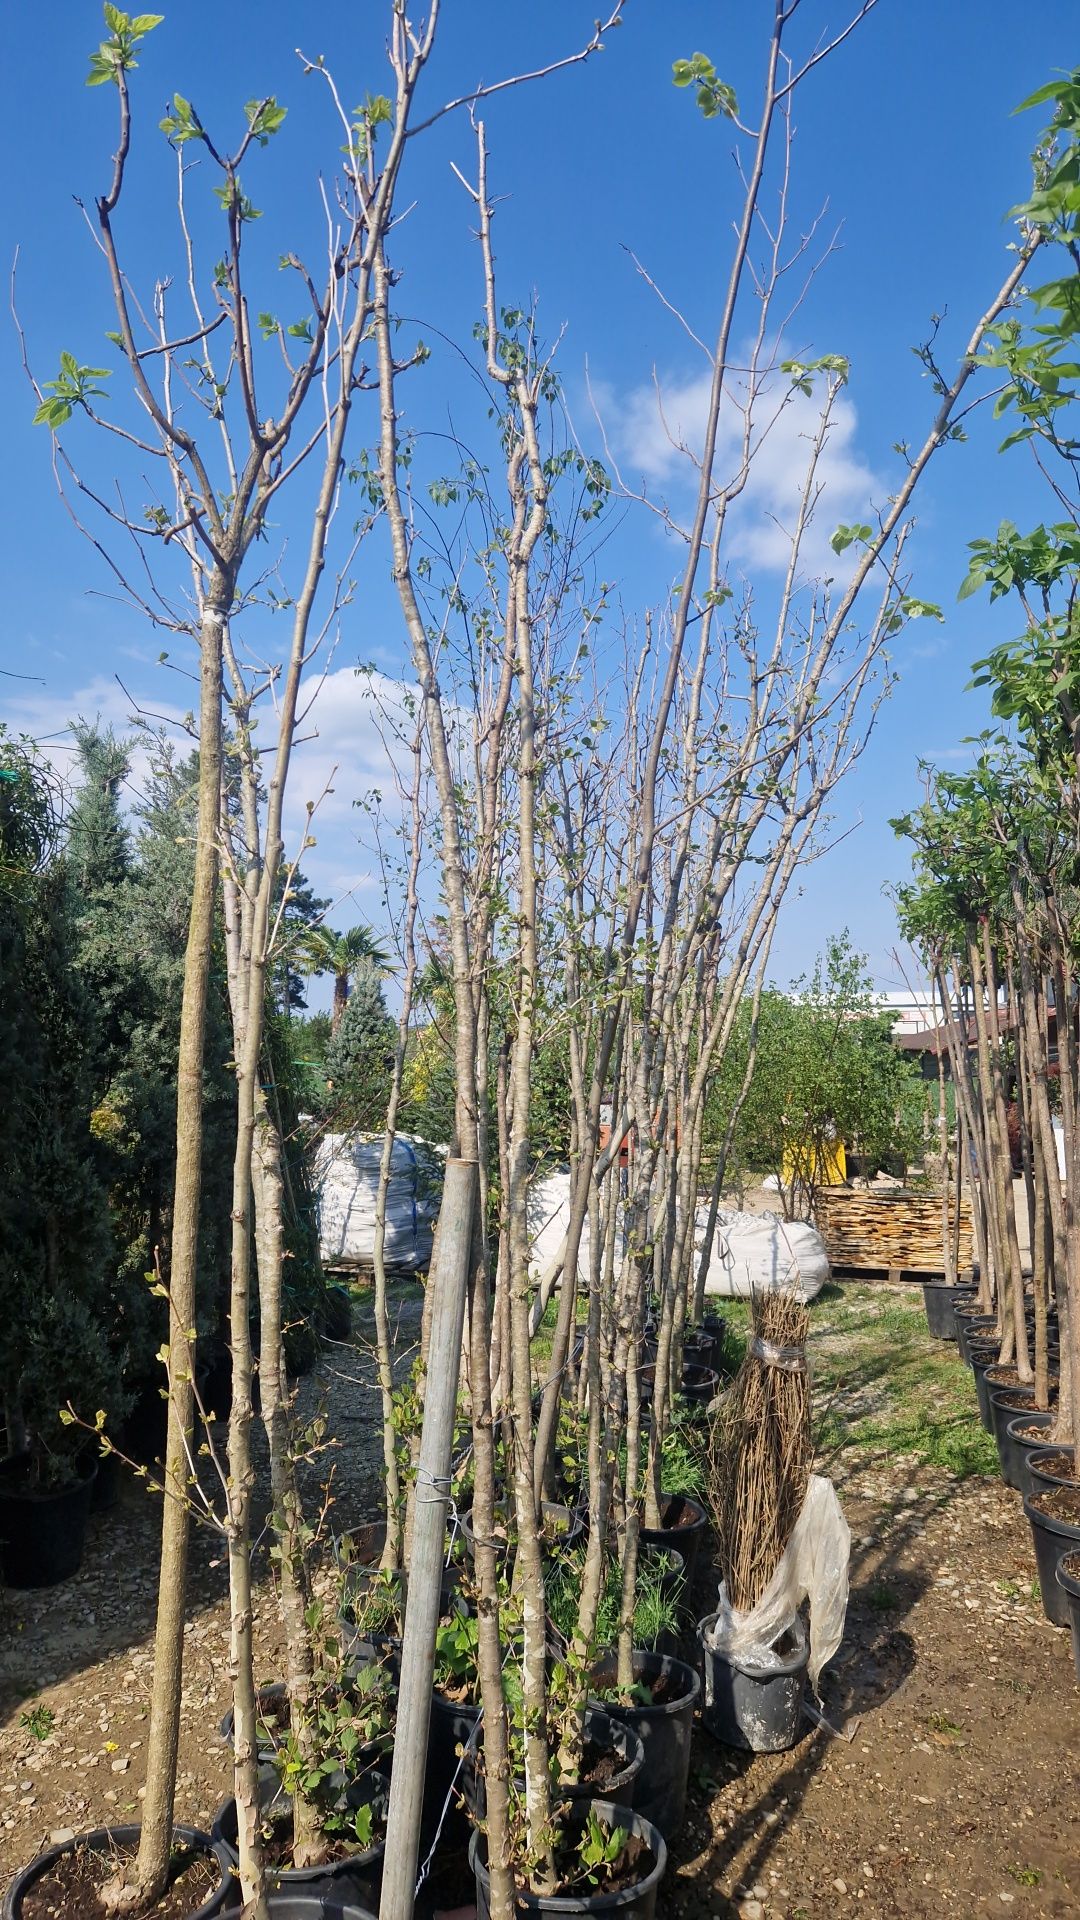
886,1387
39,1721
940,1723
1026,1876
544,1338
736,1317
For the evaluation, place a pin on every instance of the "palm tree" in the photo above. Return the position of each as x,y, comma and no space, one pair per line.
341,954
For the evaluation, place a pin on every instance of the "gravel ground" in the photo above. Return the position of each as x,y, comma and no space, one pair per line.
955,1794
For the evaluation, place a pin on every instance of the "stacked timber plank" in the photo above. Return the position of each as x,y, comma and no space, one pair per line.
895,1232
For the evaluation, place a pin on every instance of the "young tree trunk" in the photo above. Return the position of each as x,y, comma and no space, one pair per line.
393,1545
309,1847
155,1840
242,1471
1016,1278
946,1213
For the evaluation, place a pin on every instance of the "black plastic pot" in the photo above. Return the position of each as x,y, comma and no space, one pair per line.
356,1585
366,1646
1007,1403
664,1730
715,1326
980,1368
105,1840
970,1329
143,1433
42,1535
359,1874
1052,1538
562,1526
611,1736
755,1708
1048,1482
337,1314
1069,1582
699,1385
362,1545
453,1724
997,1383
986,1386
1014,1448
314,1906
685,1523
272,1705
698,1349
940,1303
631,1903
107,1484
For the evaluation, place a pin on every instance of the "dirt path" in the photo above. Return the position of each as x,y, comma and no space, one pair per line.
958,1791
957,1794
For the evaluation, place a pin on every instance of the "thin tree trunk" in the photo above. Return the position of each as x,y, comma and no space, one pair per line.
309,1847
1016,1278
155,1839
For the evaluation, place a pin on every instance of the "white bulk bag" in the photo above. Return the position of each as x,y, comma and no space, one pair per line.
347,1176
759,1252
548,1206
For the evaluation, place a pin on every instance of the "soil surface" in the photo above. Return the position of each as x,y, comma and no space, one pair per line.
948,1787
1063,1504
71,1890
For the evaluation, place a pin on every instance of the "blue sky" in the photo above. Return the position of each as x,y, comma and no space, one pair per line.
906,133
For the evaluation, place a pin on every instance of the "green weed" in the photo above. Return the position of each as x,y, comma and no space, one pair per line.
883,1598
39,1722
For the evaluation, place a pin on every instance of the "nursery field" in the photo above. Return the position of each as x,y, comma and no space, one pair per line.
949,1787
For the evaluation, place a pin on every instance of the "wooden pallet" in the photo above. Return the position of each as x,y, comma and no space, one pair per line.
890,1234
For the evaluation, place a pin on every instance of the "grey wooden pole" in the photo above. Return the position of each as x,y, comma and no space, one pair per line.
449,1282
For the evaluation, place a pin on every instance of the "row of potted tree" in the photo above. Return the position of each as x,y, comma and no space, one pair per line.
614,820
992,908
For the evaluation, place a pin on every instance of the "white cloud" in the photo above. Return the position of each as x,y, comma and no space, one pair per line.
346,751
657,433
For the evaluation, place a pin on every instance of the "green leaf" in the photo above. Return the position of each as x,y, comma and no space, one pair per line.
264,117
714,96
845,536
103,67
1039,98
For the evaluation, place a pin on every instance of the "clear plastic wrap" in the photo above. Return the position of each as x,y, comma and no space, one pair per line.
814,1568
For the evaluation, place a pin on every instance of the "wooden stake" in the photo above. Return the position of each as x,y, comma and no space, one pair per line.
448,1283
